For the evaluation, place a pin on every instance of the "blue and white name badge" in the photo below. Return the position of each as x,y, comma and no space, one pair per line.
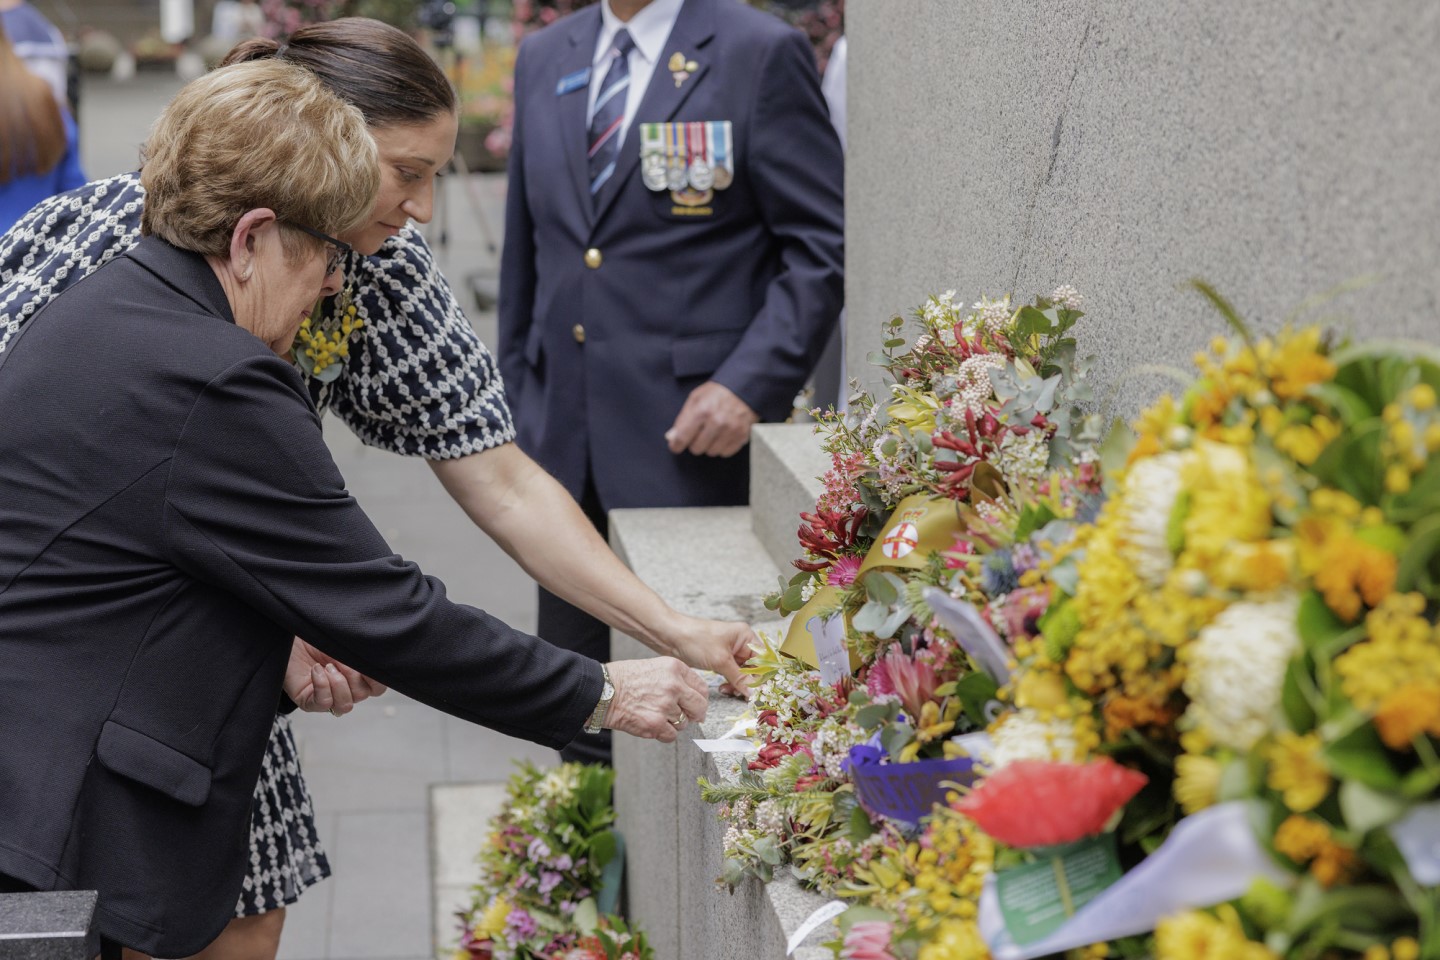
572,82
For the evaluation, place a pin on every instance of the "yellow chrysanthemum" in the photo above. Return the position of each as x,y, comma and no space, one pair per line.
1296,770
1197,782
1297,364
1198,935
491,924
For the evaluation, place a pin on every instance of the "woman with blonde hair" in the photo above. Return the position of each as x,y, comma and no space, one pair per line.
413,379
173,518
38,152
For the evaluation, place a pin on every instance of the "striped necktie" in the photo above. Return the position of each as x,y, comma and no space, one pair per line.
610,113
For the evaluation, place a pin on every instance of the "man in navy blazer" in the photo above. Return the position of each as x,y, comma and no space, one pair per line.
653,309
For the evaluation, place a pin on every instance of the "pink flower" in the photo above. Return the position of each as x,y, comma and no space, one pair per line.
912,680
867,940
842,572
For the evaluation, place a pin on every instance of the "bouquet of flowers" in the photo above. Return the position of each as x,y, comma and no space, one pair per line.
542,870
1251,627
960,482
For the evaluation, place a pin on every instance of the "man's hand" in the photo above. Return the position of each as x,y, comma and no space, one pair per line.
713,423
655,698
717,645
317,682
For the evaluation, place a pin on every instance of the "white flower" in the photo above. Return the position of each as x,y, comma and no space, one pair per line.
1024,456
1022,735
1151,486
770,818
1236,670
1067,297
992,316
807,590
831,747
973,382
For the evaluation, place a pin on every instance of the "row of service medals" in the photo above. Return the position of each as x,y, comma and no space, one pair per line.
691,160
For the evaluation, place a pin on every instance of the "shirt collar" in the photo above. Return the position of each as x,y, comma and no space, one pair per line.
649,28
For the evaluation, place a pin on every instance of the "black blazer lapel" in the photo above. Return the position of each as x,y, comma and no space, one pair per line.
692,31
584,29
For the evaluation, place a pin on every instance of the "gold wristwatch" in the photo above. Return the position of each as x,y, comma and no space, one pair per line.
607,693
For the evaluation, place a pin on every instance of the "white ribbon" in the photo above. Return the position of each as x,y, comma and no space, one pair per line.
1208,858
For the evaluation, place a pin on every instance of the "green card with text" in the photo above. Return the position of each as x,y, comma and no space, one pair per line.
1037,897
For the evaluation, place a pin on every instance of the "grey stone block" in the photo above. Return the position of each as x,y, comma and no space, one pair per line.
45,926
786,464
707,562
1275,149
757,919
702,562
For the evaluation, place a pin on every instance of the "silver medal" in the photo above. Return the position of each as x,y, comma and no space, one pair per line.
652,171
702,175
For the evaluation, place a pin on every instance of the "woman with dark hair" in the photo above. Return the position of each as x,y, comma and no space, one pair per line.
38,150
395,357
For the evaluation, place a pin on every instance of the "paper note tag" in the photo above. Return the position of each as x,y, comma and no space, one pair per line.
726,746
829,637
1036,898
974,635
743,729
825,914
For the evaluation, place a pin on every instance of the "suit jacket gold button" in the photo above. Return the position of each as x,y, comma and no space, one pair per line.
578,332
593,259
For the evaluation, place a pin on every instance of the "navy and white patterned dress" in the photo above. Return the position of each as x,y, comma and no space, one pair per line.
417,381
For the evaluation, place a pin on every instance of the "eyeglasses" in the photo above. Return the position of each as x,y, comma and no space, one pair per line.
338,247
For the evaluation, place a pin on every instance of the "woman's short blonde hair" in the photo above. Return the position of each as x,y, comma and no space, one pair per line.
261,134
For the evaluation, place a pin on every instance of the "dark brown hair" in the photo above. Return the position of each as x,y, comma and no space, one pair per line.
32,132
370,64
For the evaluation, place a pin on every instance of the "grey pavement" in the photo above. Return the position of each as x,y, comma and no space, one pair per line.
370,773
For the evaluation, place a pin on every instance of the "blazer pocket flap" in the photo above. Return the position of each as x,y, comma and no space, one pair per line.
146,760
701,355
532,345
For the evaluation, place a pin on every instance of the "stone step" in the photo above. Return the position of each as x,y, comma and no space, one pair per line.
710,563
786,463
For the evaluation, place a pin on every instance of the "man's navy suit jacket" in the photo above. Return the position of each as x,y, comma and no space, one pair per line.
745,296
171,517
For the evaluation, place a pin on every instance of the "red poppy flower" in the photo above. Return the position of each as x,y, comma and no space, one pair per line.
1035,804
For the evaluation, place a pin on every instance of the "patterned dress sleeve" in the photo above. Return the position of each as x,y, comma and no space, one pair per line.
63,240
417,379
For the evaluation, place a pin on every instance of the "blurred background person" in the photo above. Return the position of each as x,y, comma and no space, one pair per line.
38,43
39,156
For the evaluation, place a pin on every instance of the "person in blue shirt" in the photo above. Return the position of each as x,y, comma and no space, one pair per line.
39,155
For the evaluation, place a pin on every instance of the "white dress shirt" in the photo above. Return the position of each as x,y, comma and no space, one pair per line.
650,29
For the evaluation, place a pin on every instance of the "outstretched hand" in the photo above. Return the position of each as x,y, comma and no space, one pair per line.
719,645
655,699
318,683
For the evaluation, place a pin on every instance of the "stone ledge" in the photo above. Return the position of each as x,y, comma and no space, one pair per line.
707,562
786,463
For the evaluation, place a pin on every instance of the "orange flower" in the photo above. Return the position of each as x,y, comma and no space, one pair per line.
1351,571
1308,841
1136,713
1407,713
